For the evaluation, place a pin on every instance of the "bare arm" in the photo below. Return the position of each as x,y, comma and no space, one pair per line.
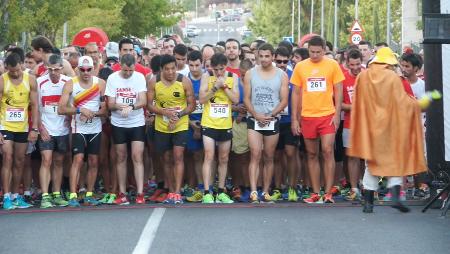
34,103
150,98
190,97
103,110
204,93
337,103
233,94
63,106
67,69
346,107
296,109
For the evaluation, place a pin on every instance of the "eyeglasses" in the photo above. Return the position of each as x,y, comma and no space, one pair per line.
54,69
282,61
85,69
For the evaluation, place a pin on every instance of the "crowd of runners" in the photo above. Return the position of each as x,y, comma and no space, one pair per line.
171,123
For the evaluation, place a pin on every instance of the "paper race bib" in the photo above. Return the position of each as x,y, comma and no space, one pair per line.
167,119
219,110
15,115
126,98
350,91
316,85
51,107
268,127
285,111
198,108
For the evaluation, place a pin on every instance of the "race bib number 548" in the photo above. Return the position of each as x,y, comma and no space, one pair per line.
316,85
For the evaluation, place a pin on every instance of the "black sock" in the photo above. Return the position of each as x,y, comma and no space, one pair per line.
160,185
206,192
166,190
220,190
65,184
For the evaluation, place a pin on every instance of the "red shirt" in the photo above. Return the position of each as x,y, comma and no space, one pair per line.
41,70
407,87
235,71
138,67
348,86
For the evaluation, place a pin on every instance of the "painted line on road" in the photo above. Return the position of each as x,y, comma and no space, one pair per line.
149,232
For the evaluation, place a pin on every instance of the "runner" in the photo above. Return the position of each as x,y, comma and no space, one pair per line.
354,65
126,47
366,51
54,133
126,92
218,91
83,99
18,92
174,101
180,52
195,144
287,143
233,51
317,80
266,93
42,49
168,46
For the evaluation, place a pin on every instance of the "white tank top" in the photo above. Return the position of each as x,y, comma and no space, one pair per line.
49,95
89,99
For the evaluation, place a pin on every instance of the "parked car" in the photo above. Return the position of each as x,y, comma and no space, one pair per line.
195,29
231,17
191,33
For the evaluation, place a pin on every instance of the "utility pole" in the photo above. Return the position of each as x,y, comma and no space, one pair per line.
298,21
356,9
293,19
312,17
65,34
388,24
335,41
196,9
322,13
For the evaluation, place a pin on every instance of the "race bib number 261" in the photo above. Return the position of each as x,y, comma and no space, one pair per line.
316,85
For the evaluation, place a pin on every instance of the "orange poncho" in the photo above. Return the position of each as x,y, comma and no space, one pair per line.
386,128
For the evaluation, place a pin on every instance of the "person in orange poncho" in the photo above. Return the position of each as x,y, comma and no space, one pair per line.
386,129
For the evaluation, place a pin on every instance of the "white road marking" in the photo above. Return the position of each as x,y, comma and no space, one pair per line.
149,232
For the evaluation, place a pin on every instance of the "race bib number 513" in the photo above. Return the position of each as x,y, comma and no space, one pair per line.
316,85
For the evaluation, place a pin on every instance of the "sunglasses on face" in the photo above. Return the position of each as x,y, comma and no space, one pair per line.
282,61
85,69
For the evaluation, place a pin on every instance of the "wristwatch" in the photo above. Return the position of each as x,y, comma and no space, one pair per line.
132,106
35,130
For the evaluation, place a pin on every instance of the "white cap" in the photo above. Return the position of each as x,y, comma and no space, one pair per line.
112,49
85,61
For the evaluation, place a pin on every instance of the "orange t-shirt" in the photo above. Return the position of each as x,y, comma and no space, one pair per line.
317,81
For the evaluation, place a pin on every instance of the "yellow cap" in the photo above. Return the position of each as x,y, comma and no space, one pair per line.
385,56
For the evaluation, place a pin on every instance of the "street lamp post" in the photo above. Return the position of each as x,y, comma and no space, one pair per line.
388,24
322,7
312,17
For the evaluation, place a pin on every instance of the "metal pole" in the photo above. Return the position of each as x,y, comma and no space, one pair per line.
218,32
335,41
312,17
388,23
293,19
298,22
356,9
322,13
65,34
196,9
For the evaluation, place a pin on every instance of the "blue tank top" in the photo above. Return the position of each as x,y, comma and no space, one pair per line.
287,118
196,87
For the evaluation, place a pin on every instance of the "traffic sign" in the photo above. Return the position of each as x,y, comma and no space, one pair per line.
355,38
289,39
356,27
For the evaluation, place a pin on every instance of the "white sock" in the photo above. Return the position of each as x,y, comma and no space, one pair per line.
355,190
7,195
27,193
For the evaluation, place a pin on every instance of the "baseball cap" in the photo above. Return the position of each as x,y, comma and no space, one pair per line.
112,49
385,56
85,61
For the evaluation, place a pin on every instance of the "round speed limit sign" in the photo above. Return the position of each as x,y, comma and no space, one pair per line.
356,38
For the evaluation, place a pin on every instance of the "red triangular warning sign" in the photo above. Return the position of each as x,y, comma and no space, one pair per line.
356,27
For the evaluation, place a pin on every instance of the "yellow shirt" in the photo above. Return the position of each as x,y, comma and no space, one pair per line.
217,110
14,104
317,82
174,97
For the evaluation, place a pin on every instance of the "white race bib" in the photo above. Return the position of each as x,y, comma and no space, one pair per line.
269,127
167,119
219,110
126,98
15,115
51,107
285,111
198,108
316,85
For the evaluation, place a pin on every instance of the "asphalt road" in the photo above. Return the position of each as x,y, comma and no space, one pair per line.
278,228
213,32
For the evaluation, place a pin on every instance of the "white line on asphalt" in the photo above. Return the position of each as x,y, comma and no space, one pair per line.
149,232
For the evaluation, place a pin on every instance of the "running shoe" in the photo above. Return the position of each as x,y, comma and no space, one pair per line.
161,198
122,200
208,199
46,202
254,197
236,193
90,201
170,199
105,198
58,200
276,195
265,198
20,203
177,200
223,198
306,193
188,191
292,196
74,202
328,198
112,198
140,199
353,196
8,204
314,199
196,197
335,190
29,199
156,195
245,196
